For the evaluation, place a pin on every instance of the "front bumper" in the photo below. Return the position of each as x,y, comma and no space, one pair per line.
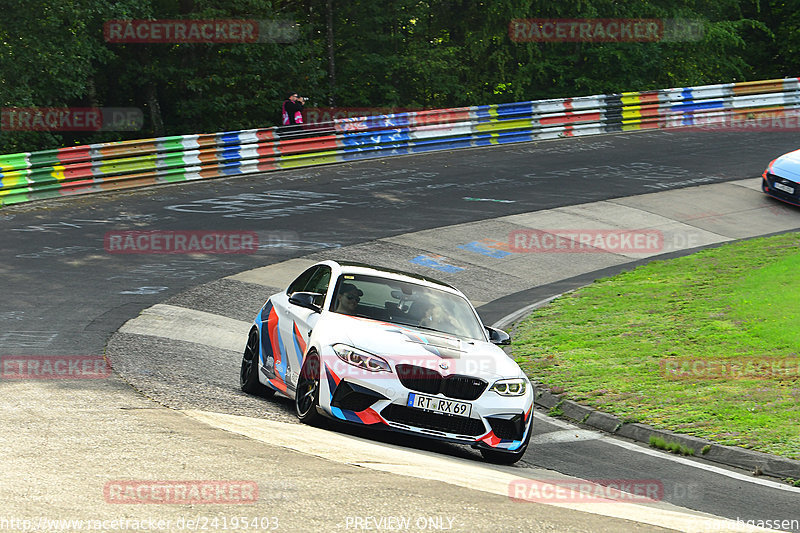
768,185
360,397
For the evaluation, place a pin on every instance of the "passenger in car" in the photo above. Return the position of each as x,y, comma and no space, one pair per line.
432,315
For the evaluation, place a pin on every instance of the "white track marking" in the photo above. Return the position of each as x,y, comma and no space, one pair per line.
566,435
182,324
519,313
455,471
275,275
669,457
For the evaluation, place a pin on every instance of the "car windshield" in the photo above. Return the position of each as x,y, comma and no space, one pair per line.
407,304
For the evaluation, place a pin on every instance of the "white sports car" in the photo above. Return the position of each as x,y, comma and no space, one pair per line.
391,350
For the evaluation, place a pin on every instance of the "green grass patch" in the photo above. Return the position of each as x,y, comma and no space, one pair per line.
556,410
672,447
706,345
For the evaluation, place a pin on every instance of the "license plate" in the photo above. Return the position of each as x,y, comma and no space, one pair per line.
439,405
784,188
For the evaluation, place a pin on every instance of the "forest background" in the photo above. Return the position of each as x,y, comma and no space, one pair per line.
407,54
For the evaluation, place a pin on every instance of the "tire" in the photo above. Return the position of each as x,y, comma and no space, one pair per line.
306,398
508,458
248,374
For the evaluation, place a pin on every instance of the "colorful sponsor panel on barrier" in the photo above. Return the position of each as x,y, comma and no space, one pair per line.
111,166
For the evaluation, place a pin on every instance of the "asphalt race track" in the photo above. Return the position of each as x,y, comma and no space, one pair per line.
65,294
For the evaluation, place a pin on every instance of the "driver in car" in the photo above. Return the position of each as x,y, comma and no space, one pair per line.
348,298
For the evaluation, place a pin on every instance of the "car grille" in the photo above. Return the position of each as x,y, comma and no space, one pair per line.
419,378
429,381
458,425
463,387
772,179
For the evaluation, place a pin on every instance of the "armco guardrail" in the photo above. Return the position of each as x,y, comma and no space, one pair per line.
113,166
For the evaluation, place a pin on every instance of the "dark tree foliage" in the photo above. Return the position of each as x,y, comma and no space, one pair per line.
394,53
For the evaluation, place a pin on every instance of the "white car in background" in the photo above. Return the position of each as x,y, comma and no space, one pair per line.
390,350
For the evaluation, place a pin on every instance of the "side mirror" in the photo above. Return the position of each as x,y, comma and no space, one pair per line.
498,336
307,300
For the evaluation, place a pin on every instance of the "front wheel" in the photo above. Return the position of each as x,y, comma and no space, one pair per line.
508,458
248,374
306,396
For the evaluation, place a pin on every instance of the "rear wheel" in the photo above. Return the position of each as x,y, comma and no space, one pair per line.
248,374
508,458
307,393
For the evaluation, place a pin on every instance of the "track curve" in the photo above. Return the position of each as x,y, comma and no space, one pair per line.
55,250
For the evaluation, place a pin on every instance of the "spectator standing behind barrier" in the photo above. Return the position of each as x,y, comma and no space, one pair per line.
292,111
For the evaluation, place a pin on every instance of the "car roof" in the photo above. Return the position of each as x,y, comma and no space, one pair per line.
349,265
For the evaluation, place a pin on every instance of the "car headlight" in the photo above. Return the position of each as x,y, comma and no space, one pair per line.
510,387
361,359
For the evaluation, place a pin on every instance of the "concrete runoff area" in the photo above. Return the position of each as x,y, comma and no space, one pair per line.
66,448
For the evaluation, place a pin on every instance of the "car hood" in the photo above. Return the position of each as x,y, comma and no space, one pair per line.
788,166
408,345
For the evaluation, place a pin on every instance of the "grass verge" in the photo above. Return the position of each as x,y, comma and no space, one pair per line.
707,345
672,447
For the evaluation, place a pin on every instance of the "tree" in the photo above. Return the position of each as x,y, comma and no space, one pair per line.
360,53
